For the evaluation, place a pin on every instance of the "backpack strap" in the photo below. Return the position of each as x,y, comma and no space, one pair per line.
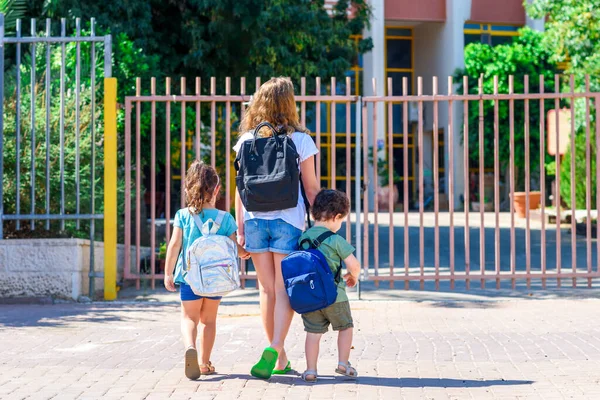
306,202
314,244
209,227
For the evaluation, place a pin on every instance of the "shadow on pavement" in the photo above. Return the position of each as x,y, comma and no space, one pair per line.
379,381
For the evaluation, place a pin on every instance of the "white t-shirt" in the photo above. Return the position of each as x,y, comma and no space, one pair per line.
294,216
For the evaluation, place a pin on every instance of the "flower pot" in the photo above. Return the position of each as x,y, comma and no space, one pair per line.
520,202
487,207
161,266
383,197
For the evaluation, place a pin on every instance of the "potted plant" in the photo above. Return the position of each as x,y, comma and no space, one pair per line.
162,256
383,189
488,204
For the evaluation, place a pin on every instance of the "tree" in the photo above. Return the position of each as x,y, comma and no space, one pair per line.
235,38
572,35
524,56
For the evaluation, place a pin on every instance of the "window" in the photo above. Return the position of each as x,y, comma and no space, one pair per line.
490,34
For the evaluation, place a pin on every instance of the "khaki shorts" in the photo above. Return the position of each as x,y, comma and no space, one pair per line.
337,314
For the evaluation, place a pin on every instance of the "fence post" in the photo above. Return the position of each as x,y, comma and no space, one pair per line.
358,186
2,126
110,188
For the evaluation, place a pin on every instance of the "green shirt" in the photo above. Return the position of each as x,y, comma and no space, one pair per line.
335,249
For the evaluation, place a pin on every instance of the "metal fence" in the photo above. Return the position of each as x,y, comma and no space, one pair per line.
439,248
26,127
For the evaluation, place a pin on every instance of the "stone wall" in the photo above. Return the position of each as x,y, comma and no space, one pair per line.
56,268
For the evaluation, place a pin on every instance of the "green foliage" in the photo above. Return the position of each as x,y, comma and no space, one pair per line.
580,172
12,10
234,38
524,56
162,251
572,35
124,46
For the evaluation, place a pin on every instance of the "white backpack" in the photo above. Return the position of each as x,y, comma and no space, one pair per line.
212,261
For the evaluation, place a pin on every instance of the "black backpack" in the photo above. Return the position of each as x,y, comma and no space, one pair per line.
268,174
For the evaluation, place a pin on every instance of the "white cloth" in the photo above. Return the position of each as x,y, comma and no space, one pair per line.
294,216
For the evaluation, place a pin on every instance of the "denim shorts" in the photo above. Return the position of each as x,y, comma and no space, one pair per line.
275,236
187,294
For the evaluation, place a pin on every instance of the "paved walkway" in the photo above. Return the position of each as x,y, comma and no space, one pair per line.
428,348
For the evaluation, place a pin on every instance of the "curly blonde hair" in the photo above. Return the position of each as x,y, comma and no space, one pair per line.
273,102
201,181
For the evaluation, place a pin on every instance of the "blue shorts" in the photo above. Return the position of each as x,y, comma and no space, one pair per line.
275,236
187,294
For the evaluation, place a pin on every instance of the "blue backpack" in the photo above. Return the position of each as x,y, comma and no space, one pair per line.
308,280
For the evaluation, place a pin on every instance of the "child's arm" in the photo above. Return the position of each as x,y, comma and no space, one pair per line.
171,259
239,219
353,268
242,253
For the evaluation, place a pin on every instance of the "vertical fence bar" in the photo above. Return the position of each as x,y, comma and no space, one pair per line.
511,112
32,110
48,95
110,189
597,145
358,183
303,102
92,152
467,181
138,179
227,145
77,111
213,123
2,128
543,183
318,126
436,184
18,131
243,263
527,186
573,199
182,145
375,187
153,181
127,222
168,161
451,179
365,188
557,179
348,155
421,185
588,182
481,190
332,148
405,182
63,33
391,182
197,146
496,186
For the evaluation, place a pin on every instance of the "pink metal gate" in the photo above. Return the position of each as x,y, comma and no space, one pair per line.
445,246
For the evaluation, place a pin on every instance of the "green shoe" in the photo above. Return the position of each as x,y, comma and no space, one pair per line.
264,368
284,371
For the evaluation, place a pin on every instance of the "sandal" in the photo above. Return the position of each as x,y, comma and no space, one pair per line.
208,368
307,373
348,370
263,369
284,371
192,369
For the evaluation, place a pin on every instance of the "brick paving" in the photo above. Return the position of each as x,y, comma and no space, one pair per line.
421,349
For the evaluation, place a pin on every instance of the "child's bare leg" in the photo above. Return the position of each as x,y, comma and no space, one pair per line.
190,316
312,350
344,345
208,319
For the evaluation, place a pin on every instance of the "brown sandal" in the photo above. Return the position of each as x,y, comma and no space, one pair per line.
192,369
207,369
